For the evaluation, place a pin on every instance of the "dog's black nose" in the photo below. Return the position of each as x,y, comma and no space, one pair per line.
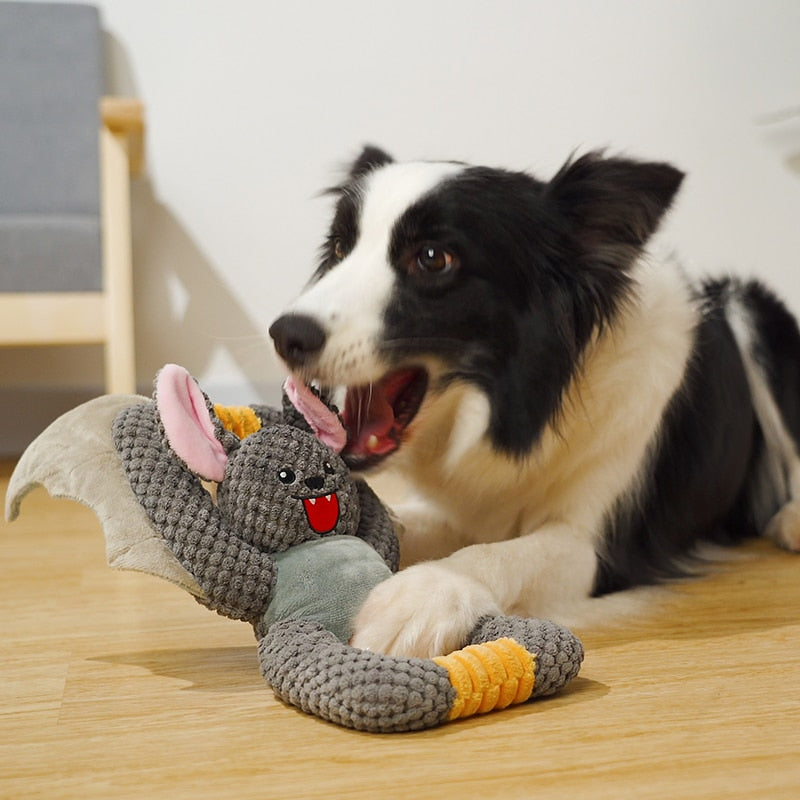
298,338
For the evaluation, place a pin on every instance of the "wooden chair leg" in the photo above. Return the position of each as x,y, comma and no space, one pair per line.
120,365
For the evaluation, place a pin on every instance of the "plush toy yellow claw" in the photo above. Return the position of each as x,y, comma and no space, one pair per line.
489,676
240,420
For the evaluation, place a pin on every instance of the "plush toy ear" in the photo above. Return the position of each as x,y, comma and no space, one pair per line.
187,422
324,422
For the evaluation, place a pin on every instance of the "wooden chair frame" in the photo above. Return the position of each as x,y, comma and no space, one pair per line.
104,317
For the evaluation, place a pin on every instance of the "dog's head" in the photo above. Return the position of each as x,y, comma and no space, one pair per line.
437,275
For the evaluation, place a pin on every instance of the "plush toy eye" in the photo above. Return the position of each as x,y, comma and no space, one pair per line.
328,467
286,476
433,259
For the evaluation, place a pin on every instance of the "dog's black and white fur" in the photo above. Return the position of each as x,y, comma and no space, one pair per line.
573,415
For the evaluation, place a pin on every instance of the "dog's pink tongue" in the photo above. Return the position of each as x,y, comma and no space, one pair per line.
323,421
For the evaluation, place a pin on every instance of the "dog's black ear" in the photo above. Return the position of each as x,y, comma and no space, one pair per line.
371,158
614,204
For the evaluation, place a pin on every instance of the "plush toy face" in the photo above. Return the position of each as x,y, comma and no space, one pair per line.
279,486
282,487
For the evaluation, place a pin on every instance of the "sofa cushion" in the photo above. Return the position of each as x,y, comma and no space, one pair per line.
52,81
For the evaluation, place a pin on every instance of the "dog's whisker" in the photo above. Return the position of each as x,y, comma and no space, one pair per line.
360,416
369,394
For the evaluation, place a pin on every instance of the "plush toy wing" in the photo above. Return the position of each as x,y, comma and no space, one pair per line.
75,458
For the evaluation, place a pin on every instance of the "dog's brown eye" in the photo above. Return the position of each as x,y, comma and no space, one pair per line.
435,259
338,249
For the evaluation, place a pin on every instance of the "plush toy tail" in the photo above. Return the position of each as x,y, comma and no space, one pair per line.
308,667
510,660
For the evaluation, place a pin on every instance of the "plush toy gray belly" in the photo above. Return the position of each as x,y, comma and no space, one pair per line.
326,581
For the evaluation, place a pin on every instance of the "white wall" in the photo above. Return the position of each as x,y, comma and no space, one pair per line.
254,105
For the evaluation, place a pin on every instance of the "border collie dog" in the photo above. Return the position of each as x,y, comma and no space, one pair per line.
574,417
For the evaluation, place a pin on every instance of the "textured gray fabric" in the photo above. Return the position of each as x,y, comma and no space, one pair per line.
52,80
235,576
274,515
303,650
559,653
305,662
311,669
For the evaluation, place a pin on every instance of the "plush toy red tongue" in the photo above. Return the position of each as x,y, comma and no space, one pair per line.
322,512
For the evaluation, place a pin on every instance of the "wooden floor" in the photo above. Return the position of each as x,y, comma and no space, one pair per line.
117,685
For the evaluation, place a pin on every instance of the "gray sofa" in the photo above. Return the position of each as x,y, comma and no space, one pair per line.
52,81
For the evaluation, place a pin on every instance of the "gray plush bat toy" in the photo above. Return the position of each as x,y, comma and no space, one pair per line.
292,545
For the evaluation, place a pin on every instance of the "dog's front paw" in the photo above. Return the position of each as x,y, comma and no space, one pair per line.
423,611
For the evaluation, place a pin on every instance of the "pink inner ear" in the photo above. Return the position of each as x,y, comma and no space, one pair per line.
187,423
325,423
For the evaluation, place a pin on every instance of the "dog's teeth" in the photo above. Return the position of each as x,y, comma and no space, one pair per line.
313,501
372,443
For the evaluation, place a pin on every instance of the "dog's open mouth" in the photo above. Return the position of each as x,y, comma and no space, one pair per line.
376,415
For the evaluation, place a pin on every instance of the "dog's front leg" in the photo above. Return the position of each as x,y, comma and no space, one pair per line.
430,608
424,534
